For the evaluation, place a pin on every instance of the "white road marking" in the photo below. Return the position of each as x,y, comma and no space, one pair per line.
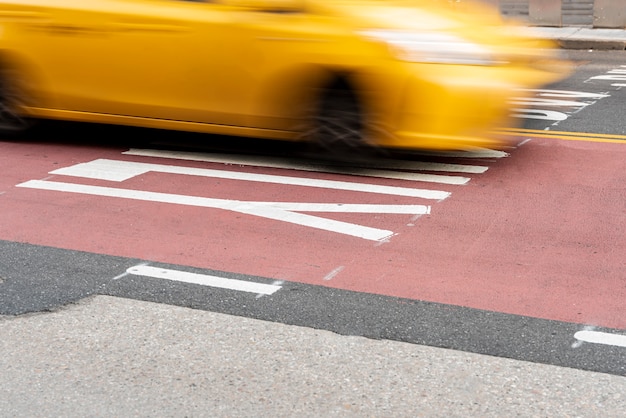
539,114
613,77
118,171
610,75
477,153
269,210
604,338
333,273
567,94
536,101
326,167
554,98
204,280
113,170
348,208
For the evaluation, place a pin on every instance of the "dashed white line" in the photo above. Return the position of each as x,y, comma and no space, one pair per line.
204,280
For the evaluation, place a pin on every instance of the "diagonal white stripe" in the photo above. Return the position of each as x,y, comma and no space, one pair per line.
263,209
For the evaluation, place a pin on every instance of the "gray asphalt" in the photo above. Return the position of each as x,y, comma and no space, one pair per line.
107,356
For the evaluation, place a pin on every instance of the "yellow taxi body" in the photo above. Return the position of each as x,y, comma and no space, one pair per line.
426,74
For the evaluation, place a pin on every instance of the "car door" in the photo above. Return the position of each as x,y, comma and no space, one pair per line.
156,61
136,58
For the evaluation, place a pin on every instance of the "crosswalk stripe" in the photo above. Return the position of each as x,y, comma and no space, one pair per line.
115,170
327,167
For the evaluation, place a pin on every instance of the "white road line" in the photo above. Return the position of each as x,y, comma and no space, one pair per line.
477,153
541,102
348,208
326,167
114,170
566,94
609,77
540,114
333,273
597,337
261,209
204,280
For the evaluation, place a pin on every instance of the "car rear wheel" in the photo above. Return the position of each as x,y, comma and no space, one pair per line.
339,121
12,98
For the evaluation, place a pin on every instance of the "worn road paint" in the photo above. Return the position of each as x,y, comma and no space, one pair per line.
333,273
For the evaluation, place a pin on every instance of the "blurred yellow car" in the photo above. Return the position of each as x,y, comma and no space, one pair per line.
423,74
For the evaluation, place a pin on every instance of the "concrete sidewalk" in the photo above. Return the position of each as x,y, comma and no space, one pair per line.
585,38
112,357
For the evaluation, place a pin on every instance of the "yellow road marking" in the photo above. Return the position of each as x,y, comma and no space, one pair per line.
567,136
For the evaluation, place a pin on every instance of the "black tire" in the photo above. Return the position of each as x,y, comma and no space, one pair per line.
339,121
339,128
13,122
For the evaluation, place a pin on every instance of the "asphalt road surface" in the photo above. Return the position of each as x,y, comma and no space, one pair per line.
517,254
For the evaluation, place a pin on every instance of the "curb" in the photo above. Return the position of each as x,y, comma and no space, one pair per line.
584,38
594,44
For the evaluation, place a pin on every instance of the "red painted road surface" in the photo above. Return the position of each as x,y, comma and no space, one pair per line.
542,233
